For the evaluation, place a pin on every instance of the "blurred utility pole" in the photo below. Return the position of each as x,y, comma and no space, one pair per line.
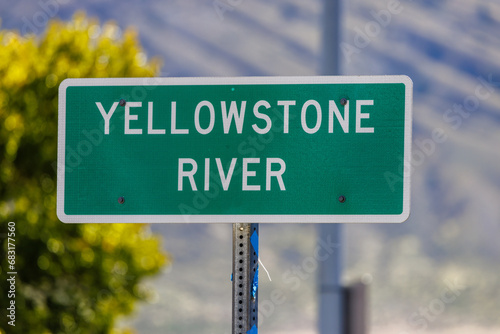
330,315
330,62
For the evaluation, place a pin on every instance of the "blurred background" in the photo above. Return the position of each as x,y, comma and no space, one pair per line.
435,273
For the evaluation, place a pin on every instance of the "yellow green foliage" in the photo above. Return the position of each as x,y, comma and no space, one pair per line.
70,278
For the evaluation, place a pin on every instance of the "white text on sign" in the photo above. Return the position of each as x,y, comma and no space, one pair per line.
236,115
234,112
225,177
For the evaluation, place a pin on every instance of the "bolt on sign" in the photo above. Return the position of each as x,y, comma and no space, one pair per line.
325,149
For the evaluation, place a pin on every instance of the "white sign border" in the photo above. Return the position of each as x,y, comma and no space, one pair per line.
279,218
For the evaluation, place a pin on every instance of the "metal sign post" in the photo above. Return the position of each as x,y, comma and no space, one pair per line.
245,278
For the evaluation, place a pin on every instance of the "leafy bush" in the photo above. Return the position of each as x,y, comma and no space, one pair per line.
70,278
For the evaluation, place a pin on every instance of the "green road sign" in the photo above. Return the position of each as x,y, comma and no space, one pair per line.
249,149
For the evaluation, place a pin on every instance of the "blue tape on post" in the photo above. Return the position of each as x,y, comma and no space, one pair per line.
254,240
253,330
255,283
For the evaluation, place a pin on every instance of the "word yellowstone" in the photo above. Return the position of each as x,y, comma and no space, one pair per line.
236,115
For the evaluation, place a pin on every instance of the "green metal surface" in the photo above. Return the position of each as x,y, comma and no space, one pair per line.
143,169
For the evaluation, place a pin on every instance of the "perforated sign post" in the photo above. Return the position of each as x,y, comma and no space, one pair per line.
242,150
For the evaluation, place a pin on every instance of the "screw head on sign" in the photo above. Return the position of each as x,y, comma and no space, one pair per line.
121,200
122,102
343,101
342,199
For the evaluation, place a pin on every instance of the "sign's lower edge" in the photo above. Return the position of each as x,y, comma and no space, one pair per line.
397,218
